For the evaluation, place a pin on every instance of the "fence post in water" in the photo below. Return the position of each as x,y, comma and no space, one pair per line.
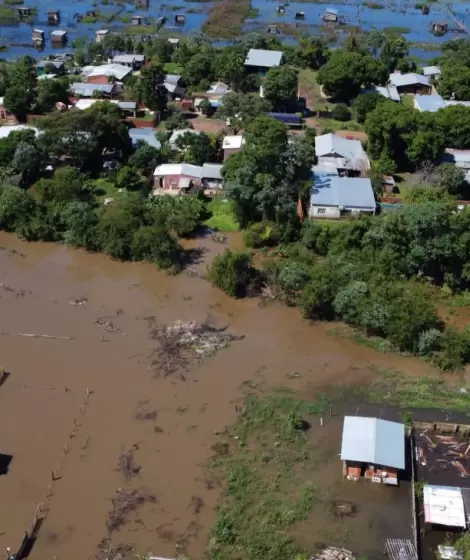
331,410
321,421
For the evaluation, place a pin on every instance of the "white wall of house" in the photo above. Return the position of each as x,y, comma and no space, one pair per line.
332,212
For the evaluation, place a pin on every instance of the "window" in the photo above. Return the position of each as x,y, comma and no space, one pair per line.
321,211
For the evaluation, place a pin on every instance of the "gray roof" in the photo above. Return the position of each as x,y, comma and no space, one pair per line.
263,58
410,79
370,440
128,58
172,79
59,33
56,63
127,105
336,146
87,90
431,70
177,133
332,11
349,192
146,135
212,171
431,103
389,92
461,158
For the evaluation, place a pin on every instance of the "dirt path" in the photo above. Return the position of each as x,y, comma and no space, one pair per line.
43,401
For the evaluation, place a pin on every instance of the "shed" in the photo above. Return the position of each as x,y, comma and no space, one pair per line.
370,446
38,36
180,19
439,28
59,37
299,15
432,72
281,9
53,17
330,14
137,20
443,505
24,11
143,4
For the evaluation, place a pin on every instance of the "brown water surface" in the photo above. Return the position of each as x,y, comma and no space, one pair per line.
48,423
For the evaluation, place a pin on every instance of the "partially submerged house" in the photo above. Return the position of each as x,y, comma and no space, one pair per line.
372,447
410,83
333,196
101,34
261,60
59,37
330,15
345,156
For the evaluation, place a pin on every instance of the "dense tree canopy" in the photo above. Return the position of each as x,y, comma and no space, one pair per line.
280,87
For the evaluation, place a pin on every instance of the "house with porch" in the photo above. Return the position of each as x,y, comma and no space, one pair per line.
410,83
343,155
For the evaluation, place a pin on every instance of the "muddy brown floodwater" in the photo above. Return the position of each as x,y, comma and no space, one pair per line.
49,425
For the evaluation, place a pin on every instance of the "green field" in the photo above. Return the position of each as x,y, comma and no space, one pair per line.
223,217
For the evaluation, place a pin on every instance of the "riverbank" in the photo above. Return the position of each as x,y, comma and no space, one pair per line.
42,287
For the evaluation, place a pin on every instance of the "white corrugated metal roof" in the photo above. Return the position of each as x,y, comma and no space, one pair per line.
178,169
443,505
263,58
431,70
119,71
372,440
430,103
351,151
233,142
83,104
410,79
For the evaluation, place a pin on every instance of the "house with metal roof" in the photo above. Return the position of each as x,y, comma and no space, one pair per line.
410,83
218,89
231,145
261,60
389,92
145,135
54,66
345,156
81,89
429,103
432,72
134,61
101,74
174,86
333,196
373,448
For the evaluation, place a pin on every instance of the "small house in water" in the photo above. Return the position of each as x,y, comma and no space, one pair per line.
299,15
38,36
425,10
330,15
137,20
180,19
281,9
59,37
273,30
143,4
101,34
373,448
439,28
53,17
24,12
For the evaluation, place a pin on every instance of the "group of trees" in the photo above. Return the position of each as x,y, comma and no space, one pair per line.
374,273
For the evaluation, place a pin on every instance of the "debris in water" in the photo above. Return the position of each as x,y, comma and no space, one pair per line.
126,502
77,302
107,325
127,464
107,551
183,343
334,553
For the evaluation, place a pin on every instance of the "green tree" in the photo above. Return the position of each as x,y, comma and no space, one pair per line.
196,148
156,245
240,109
313,52
66,185
341,112
145,159
17,101
232,272
365,104
197,69
49,93
454,81
127,178
16,207
153,92
229,67
28,161
452,179
80,225
280,86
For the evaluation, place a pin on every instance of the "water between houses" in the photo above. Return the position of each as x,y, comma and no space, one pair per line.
50,424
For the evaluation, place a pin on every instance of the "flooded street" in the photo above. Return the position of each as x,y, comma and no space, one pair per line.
68,406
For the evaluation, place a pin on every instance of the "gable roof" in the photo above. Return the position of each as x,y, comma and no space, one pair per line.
117,70
372,440
128,58
351,151
389,92
431,70
351,192
87,90
263,58
431,103
410,79
218,88
234,142
444,505
212,171
178,169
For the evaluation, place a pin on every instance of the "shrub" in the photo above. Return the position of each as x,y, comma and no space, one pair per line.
232,272
263,234
341,113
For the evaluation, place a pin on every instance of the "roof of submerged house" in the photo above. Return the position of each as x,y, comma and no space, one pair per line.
372,440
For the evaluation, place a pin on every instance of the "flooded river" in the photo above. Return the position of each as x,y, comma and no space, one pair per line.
68,406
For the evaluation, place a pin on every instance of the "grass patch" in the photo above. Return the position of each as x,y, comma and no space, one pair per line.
141,30
333,125
253,13
7,13
398,29
266,475
173,68
407,100
226,17
223,217
377,343
311,89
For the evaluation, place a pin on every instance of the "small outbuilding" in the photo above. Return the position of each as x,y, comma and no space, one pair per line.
38,36
53,17
261,60
137,20
59,37
410,83
142,4
330,15
373,448
101,34
24,11
432,72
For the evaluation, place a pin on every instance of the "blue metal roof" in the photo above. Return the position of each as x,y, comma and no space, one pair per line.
370,440
350,192
431,103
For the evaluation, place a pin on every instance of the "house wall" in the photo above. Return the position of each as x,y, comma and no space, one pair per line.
171,182
332,212
228,152
97,80
414,88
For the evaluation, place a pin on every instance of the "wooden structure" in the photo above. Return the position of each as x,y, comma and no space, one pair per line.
53,17
24,12
38,36
273,30
59,37
180,19
101,34
299,15
400,549
439,28
425,9
281,9
137,20
142,4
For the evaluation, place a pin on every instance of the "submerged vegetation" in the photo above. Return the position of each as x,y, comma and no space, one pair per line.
226,18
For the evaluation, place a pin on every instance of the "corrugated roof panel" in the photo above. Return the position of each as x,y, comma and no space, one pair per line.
443,505
263,58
